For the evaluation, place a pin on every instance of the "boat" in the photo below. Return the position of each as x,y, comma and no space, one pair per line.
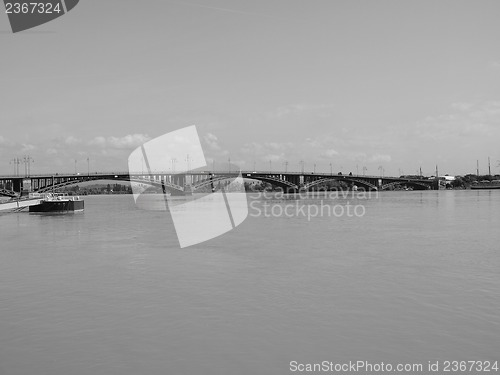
58,203
486,185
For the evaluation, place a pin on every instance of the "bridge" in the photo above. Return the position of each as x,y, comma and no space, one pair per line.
198,181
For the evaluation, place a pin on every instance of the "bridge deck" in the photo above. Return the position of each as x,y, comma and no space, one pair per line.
180,182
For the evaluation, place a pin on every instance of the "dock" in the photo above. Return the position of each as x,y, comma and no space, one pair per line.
18,205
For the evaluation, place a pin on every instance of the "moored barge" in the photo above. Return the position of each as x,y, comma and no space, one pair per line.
58,203
486,185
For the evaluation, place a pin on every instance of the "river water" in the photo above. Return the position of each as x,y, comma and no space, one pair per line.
416,278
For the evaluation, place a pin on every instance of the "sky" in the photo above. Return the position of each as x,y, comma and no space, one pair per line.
345,85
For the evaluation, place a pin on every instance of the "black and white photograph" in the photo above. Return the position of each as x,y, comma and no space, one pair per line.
260,187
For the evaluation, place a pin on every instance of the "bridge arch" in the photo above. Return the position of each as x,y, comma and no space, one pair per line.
416,184
8,193
285,185
209,181
361,182
173,188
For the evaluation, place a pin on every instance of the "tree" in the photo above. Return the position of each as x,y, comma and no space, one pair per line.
458,182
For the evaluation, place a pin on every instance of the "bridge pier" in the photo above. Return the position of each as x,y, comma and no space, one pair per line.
435,184
17,184
188,190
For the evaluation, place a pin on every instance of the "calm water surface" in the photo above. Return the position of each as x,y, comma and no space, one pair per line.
110,292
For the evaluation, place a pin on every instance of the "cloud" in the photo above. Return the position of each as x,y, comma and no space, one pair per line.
376,158
330,153
98,141
6,142
273,157
212,141
462,106
464,122
277,146
3,141
314,143
129,141
27,147
265,149
72,141
278,113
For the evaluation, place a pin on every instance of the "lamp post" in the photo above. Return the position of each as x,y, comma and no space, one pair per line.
75,165
286,165
30,160
88,166
16,162
364,170
381,169
173,160
301,164
27,165
331,169
188,178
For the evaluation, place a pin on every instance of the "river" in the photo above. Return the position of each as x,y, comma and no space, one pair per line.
414,279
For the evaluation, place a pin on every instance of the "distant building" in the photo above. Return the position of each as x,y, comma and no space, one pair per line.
447,178
446,181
